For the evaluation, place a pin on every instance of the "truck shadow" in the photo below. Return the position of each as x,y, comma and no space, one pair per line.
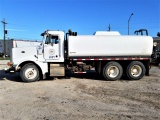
9,76
91,75
2,75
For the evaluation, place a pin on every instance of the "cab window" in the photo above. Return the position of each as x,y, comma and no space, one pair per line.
50,39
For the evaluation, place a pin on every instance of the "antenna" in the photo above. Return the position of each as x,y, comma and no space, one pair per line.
109,27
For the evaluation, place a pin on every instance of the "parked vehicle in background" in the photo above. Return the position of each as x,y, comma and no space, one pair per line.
155,57
141,32
156,49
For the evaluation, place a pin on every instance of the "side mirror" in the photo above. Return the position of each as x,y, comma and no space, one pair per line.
42,34
56,41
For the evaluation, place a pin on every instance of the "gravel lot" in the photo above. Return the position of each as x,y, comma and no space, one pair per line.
83,97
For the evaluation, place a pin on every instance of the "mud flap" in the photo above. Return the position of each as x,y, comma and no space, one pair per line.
147,68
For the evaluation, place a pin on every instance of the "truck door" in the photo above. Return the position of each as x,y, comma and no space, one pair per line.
52,47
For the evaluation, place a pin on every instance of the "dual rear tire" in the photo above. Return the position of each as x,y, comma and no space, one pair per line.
135,70
114,71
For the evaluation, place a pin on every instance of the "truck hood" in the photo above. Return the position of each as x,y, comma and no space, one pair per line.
22,54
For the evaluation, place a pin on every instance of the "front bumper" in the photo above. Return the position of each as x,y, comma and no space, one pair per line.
9,69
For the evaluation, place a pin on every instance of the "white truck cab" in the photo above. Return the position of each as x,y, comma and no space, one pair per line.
52,49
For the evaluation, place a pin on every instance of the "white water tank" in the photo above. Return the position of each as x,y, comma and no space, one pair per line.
107,33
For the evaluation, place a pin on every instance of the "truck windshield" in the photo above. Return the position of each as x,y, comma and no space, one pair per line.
50,39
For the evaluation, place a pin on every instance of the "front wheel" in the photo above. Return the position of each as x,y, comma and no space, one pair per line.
29,73
135,70
112,71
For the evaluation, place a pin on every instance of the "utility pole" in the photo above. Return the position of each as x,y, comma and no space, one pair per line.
129,21
5,32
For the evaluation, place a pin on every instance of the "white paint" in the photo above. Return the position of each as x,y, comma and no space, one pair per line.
110,45
107,33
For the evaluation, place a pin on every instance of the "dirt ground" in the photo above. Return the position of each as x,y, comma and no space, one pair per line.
83,97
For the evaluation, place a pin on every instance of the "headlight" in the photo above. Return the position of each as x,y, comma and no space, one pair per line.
155,44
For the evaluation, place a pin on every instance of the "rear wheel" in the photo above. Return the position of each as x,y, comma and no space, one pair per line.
135,70
29,73
112,71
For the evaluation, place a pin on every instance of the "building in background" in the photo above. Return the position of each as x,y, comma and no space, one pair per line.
11,43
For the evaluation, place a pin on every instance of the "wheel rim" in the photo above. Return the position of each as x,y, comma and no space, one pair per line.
136,70
30,73
113,71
